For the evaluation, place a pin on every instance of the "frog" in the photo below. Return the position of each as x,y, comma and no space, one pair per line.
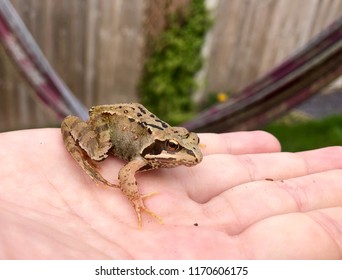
133,134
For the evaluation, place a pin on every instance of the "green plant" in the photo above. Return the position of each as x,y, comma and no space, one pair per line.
169,72
308,134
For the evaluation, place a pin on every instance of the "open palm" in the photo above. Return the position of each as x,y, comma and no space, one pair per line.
246,200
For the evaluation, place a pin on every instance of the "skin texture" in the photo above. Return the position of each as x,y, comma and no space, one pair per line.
131,133
249,201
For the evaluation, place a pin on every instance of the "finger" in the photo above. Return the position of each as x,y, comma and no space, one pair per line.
239,143
323,227
218,173
250,203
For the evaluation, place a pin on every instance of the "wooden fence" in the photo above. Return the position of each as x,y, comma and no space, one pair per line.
98,47
252,36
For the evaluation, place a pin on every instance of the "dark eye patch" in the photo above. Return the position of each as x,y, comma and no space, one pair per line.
154,149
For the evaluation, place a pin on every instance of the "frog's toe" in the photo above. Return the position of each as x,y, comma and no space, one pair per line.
139,206
154,215
143,196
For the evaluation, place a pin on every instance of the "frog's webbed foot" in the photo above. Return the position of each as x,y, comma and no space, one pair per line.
138,204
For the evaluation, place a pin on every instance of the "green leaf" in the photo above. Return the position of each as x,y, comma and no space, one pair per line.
169,72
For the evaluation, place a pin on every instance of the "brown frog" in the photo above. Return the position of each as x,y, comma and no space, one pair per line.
132,133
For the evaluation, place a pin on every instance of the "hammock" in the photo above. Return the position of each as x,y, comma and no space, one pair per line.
286,86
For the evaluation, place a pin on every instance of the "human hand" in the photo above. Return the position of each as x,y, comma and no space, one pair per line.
248,200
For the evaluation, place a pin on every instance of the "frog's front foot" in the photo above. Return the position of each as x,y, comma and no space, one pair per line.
138,204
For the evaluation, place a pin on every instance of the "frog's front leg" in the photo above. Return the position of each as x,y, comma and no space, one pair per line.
86,144
129,187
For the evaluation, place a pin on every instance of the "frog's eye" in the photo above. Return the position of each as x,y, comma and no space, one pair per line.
172,145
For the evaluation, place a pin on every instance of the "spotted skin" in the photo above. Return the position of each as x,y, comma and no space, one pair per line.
132,133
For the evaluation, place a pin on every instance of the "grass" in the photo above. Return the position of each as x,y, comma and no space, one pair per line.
304,134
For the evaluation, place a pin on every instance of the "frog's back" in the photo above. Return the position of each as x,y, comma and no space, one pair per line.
118,109
133,111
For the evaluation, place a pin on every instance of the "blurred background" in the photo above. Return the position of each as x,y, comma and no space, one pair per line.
113,51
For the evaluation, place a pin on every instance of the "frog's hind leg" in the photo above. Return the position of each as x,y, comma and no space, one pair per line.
74,132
